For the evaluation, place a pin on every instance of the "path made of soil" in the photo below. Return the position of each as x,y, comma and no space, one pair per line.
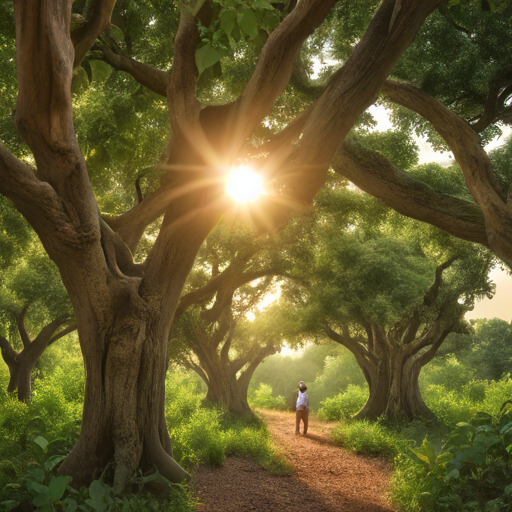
325,477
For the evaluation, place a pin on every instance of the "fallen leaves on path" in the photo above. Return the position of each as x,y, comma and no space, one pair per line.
326,478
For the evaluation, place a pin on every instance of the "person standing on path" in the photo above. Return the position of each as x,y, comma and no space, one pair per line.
302,409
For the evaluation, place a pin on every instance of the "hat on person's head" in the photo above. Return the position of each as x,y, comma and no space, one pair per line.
302,384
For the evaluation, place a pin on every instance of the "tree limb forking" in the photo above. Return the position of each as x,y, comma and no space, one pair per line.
84,36
433,292
275,67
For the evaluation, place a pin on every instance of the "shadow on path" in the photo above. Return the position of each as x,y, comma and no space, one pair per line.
325,479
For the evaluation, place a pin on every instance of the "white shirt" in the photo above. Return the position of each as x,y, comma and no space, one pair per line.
302,401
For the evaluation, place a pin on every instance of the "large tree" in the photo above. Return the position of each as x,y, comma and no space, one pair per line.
390,294
124,310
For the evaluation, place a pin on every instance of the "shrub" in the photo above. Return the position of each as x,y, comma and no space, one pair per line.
344,405
471,472
365,437
262,398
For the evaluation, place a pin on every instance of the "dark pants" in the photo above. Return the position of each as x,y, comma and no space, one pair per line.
301,415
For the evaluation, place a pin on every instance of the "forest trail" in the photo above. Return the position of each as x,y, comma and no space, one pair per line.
325,479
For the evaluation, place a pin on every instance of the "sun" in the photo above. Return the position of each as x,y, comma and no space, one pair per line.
244,184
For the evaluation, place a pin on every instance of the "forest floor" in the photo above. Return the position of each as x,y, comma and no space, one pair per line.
325,478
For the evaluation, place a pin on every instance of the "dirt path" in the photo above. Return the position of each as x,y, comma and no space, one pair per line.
325,479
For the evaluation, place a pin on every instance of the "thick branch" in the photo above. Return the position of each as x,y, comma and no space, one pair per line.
61,334
433,292
352,90
275,66
361,353
375,174
154,79
183,105
83,37
20,322
247,374
8,353
470,156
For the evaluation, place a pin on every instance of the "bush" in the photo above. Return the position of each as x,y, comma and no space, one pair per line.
471,472
344,405
262,398
365,437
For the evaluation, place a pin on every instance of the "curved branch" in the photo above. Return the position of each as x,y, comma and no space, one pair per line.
375,174
360,352
8,353
352,89
20,322
63,333
154,79
275,66
84,36
433,292
471,157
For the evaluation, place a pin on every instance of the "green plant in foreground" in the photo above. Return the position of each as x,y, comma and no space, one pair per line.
473,470
48,492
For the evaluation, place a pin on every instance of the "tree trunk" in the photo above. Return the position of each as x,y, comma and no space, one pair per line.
394,388
20,372
223,386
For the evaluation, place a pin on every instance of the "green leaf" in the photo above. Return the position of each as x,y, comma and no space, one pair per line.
71,505
248,22
36,474
207,56
453,2
37,487
100,70
53,461
227,20
97,505
9,504
41,442
58,486
41,499
97,490
262,4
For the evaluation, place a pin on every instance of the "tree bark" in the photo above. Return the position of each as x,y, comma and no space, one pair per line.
392,372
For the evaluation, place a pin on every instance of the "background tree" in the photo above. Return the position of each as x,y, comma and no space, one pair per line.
232,274
383,297
33,306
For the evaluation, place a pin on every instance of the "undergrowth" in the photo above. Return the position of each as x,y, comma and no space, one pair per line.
35,438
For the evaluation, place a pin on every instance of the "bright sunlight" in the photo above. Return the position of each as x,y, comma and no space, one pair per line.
244,184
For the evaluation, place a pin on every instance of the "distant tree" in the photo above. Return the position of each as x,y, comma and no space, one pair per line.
232,274
376,291
32,301
491,354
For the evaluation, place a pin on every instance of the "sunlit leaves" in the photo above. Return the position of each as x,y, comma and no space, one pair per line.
235,24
